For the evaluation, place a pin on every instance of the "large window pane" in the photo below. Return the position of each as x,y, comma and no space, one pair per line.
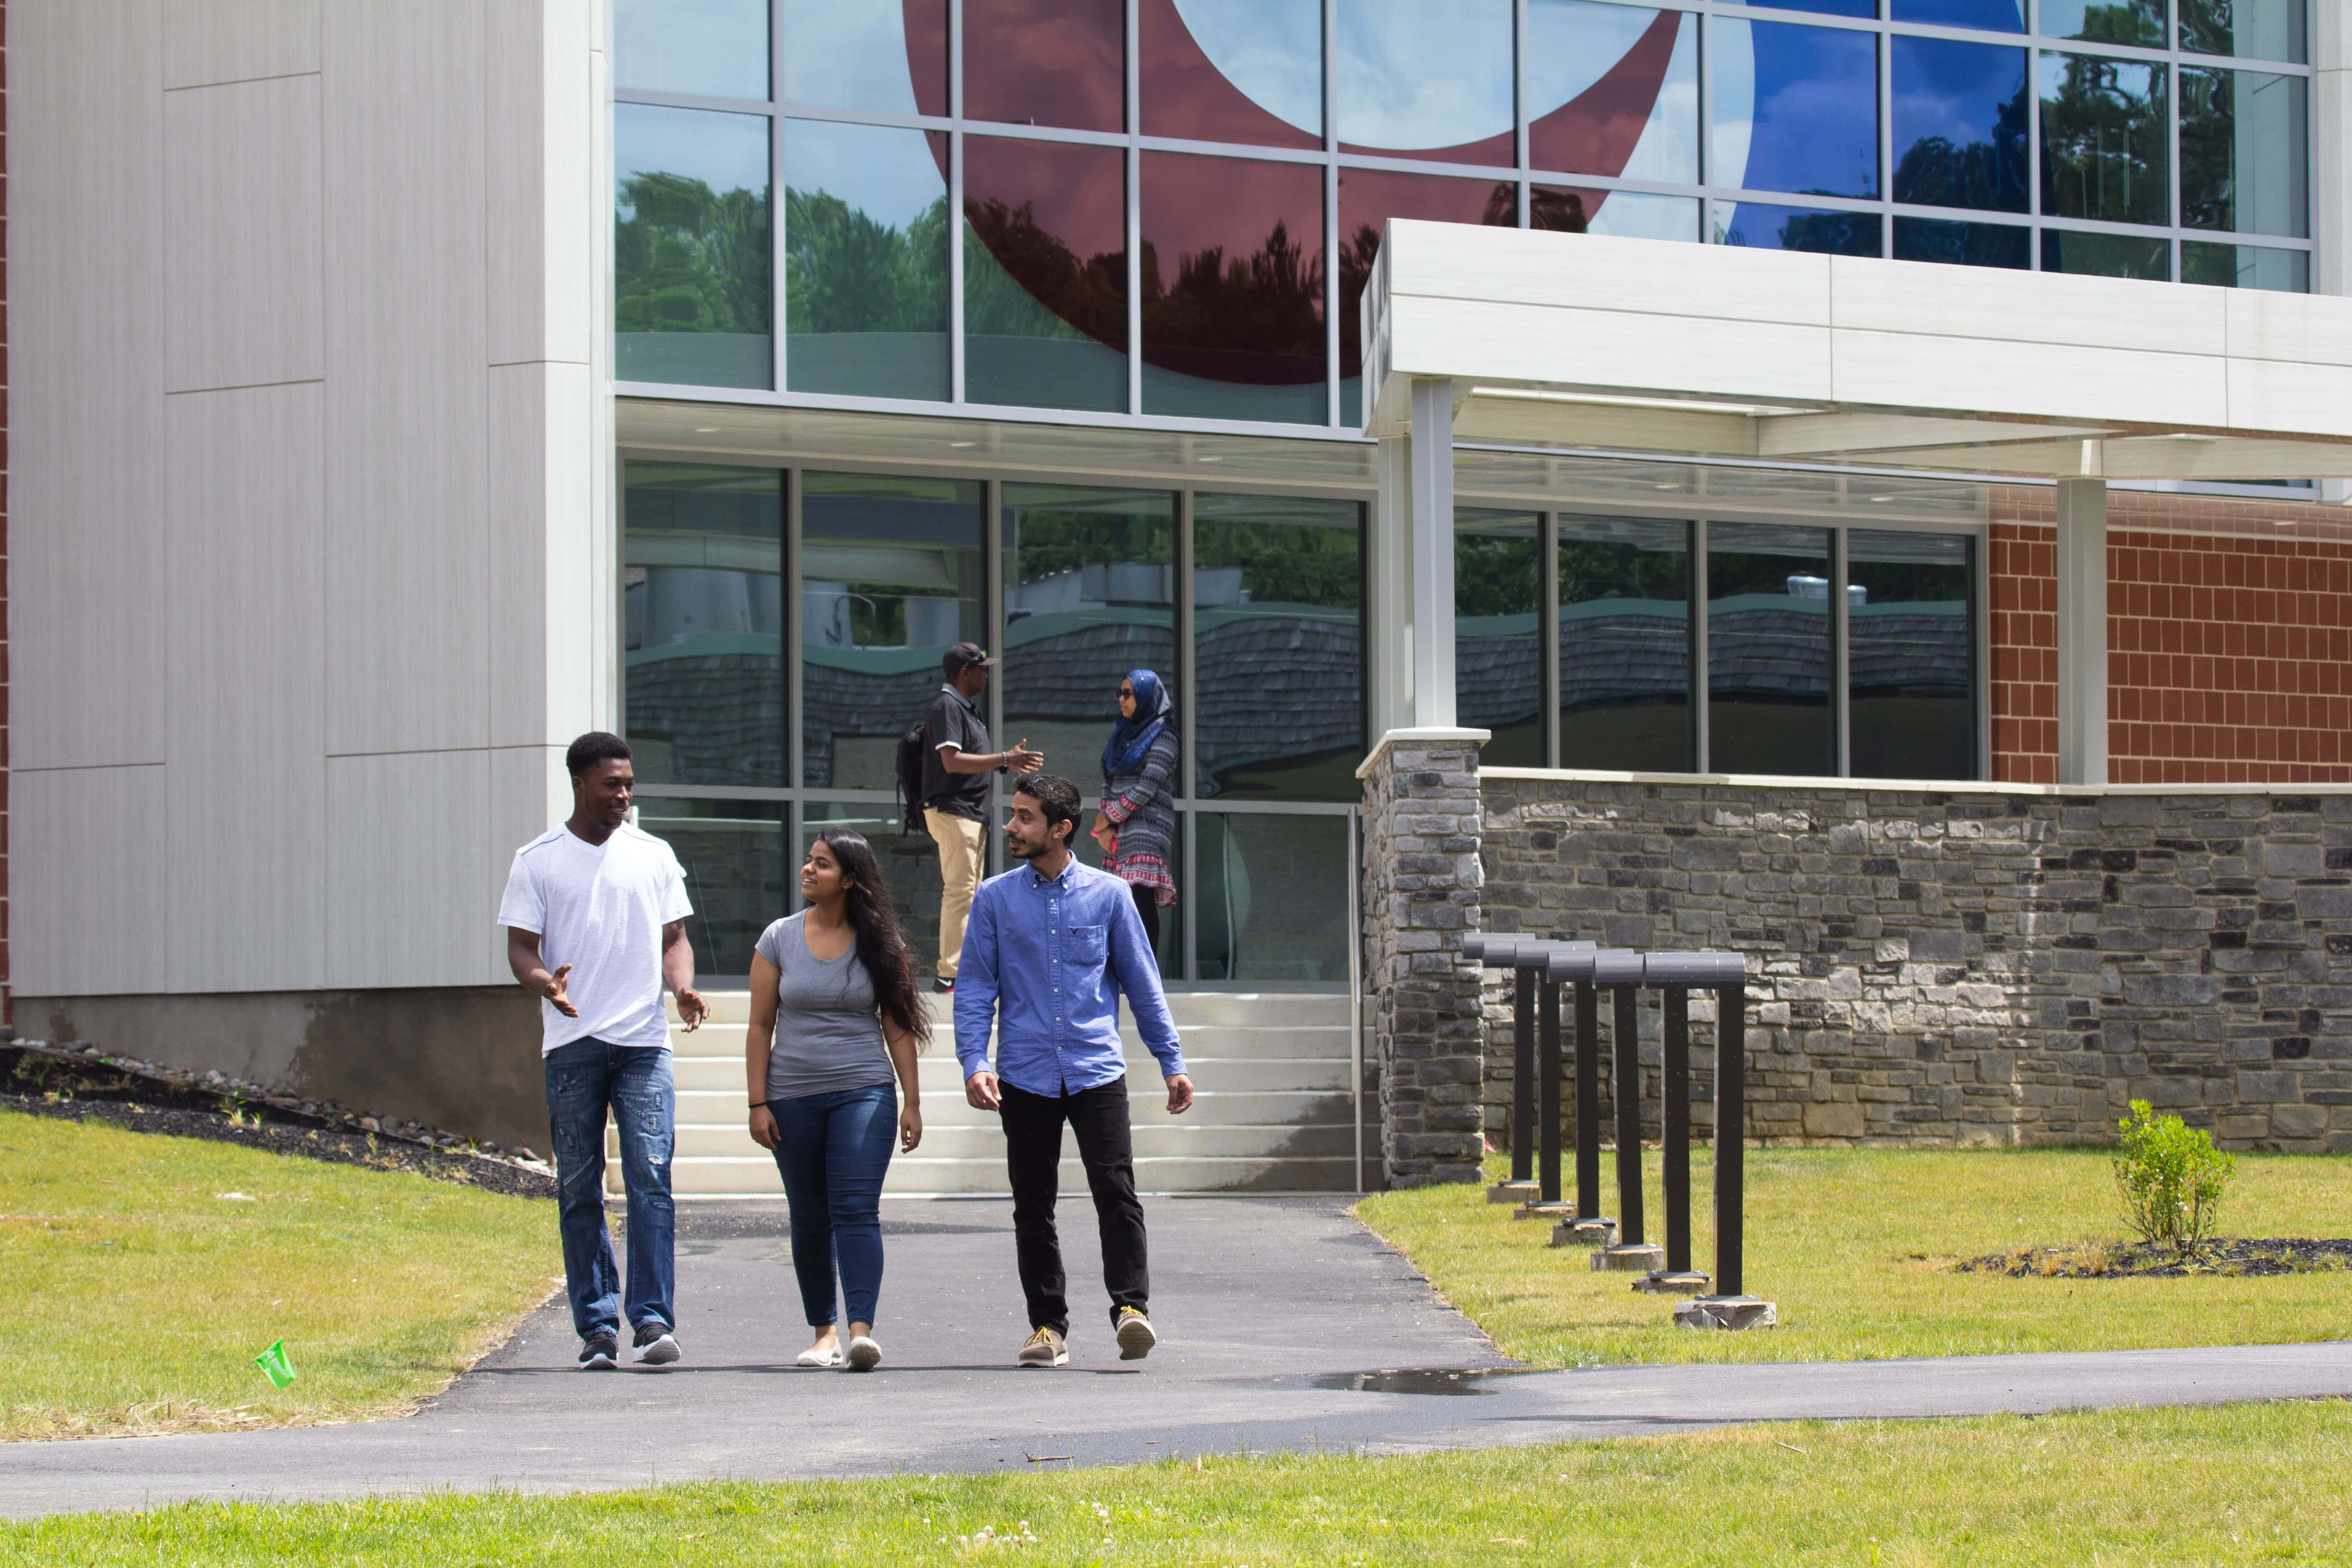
1816,229
1630,215
1089,593
2102,139
2244,154
910,860
1233,288
1991,16
1045,274
1613,89
885,54
702,554
865,260
1624,644
1274,897
1796,108
1910,656
1046,62
1767,655
1233,70
890,579
2250,29
1959,124
1863,8
2245,267
1278,646
709,49
2137,22
732,852
1964,244
690,279
2105,255
1498,633
1367,199
1426,81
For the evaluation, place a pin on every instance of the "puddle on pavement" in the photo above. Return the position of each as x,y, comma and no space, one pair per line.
1439,1380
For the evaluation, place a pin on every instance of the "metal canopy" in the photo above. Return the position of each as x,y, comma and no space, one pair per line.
1579,340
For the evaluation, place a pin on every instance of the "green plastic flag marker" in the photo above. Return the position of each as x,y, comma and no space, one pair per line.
275,1365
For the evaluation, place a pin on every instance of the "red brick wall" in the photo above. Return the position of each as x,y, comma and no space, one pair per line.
2229,657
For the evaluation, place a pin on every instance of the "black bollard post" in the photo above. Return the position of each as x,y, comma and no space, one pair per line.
1731,1306
1561,959
1580,1223
1619,971
1673,1118
1500,950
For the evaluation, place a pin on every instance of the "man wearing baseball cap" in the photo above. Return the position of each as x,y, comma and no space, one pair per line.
956,765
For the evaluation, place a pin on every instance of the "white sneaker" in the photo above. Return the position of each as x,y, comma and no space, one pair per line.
865,1355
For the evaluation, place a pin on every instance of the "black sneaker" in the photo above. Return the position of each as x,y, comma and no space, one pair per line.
943,984
655,1345
600,1351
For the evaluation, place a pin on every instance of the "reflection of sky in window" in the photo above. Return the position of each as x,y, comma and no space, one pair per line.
1803,113
1865,8
1413,75
725,152
885,172
713,48
1572,44
1761,227
1955,93
2111,21
1271,49
1633,215
1993,15
847,52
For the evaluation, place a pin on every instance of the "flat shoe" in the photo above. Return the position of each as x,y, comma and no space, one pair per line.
819,1358
865,1355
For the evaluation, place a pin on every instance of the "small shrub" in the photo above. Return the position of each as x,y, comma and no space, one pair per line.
2171,1178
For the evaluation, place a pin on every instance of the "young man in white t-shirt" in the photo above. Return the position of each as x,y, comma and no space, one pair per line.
595,916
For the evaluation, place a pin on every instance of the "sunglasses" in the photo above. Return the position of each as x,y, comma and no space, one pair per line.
1126,691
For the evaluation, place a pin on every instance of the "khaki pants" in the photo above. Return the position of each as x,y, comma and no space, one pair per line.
962,852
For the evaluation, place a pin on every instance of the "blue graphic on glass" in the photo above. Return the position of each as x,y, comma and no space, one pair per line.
1796,108
1959,124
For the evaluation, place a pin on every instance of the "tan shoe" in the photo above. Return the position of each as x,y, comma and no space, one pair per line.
1136,1336
1045,1348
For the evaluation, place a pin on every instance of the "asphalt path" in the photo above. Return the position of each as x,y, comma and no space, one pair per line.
1278,1318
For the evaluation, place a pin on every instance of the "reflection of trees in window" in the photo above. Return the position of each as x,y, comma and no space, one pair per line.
1054,542
1255,319
2103,140
687,259
1296,565
1495,576
2131,22
1605,569
847,272
1081,297
1831,234
1936,173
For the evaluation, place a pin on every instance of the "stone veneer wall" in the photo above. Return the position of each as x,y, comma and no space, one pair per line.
1992,964
1424,1030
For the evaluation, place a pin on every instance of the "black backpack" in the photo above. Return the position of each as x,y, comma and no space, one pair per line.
911,780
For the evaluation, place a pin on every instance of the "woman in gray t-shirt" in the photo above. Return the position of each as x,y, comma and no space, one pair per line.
834,1013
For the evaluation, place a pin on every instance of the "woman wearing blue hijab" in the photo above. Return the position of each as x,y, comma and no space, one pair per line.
1137,823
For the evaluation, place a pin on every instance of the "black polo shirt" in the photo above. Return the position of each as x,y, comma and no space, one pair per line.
954,722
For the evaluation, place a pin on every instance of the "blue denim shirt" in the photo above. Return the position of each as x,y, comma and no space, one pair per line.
1045,961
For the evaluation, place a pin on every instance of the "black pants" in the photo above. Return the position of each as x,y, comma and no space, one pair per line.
1033,1149
1147,904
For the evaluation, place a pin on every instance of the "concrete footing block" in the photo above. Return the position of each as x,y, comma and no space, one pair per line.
1573,1232
1536,1208
1726,1312
1637,1258
1514,1191
1674,1282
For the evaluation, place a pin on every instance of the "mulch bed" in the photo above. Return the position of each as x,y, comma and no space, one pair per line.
2248,1259
80,1084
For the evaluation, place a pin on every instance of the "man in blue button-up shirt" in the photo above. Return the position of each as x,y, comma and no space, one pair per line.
1048,950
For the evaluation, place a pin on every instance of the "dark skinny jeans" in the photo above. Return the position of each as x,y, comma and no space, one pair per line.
833,1151
1033,1151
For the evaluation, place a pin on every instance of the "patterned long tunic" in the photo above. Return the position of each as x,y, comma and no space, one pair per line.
1142,806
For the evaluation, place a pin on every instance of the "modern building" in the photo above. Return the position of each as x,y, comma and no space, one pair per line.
402,389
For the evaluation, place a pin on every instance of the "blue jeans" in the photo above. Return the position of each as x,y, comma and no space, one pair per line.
833,1151
582,1078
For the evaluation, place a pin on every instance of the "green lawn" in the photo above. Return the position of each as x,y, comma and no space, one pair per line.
2238,1484
137,1294
1853,1246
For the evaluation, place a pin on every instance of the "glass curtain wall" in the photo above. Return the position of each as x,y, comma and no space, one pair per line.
1625,644
785,628
1498,633
1198,251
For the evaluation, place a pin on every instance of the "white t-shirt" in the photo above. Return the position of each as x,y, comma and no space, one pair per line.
599,908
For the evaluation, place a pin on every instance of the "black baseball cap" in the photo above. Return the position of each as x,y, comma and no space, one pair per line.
963,657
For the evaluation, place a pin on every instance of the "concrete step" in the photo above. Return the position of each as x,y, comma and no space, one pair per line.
1195,1039
1167,1138
1225,1108
940,1076
743,1176
1232,1009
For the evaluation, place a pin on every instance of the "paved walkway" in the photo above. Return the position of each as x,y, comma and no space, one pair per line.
1270,1310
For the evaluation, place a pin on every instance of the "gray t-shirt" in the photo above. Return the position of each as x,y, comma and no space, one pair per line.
828,1034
